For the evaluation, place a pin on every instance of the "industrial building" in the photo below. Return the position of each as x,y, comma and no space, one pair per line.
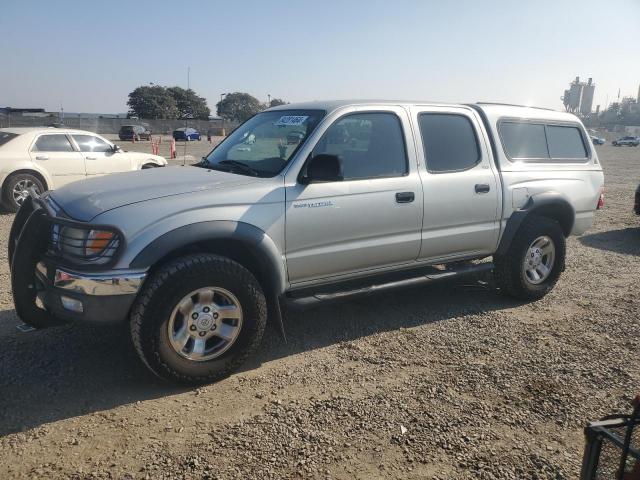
579,97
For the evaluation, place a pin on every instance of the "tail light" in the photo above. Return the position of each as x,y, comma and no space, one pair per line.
600,199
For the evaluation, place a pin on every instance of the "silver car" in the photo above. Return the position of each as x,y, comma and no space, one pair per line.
374,196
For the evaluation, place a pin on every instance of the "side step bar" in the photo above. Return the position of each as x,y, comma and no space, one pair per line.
317,298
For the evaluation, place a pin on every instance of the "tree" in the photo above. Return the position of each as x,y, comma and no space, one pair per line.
152,102
238,106
277,101
189,104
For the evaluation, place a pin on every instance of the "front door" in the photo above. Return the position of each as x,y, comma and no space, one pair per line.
55,153
369,220
461,188
100,159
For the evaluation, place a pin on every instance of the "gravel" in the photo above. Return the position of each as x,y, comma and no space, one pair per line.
450,381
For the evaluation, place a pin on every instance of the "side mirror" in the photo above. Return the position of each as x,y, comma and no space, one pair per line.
323,168
116,149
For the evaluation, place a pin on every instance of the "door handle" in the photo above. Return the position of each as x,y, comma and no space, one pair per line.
482,188
92,158
405,197
42,157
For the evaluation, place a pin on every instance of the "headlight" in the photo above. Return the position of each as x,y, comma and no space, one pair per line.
83,243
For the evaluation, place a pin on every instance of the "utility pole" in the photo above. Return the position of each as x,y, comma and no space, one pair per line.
186,116
222,95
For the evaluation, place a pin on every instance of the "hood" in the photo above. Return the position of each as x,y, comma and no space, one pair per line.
86,199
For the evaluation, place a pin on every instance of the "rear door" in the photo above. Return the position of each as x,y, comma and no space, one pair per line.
372,218
461,194
99,157
57,155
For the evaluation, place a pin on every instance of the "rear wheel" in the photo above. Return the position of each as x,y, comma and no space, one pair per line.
532,265
16,190
148,165
198,319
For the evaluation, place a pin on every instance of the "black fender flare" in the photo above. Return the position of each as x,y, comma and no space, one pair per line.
256,240
550,204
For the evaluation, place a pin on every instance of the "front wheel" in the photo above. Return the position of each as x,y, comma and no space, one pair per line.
532,265
198,318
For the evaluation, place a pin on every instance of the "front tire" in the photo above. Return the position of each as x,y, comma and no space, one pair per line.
16,190
533,264
198,318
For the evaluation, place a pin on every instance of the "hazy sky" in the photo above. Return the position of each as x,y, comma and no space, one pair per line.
89,55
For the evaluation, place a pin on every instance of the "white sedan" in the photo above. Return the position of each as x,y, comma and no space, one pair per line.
47,158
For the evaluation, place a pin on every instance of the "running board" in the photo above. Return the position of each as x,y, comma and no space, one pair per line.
317,298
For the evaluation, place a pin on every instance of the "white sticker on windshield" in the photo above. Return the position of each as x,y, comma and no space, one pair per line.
291,120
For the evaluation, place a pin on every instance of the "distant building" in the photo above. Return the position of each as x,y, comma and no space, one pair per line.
579,97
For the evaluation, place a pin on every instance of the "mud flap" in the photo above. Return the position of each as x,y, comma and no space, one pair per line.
28,247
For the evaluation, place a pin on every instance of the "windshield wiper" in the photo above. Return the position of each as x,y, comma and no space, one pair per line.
240,166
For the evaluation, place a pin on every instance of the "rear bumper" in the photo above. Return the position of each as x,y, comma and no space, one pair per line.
95,298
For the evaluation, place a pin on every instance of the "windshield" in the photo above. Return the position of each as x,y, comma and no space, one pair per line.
6,136
264,144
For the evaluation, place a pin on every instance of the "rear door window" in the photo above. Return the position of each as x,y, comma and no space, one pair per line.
449,141
565,142
52,143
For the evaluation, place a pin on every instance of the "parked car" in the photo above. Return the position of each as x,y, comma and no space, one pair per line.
626,142
197,260
47,158
186,134
597,140
129,132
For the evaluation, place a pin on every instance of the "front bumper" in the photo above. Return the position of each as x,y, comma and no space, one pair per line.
97,297
47,293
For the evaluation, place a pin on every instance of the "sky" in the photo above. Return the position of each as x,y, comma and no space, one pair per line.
87,56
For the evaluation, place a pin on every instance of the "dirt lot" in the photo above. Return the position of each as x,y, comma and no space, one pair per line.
443,382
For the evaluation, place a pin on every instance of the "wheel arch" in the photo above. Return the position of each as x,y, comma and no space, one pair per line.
553,205
242,242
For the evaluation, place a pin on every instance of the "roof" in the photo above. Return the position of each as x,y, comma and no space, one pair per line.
35,130
330,105
492,109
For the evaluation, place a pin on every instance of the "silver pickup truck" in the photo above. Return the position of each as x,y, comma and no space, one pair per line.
302,204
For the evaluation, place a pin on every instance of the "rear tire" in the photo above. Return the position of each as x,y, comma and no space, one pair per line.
535,259
15,188
171,315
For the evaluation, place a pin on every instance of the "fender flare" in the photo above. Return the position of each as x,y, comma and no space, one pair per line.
271,262
542,203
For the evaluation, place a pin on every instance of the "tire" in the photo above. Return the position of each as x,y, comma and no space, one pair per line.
514,277
148,165
10,198
155,312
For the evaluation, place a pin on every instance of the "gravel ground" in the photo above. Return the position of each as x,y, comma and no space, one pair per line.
452,381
